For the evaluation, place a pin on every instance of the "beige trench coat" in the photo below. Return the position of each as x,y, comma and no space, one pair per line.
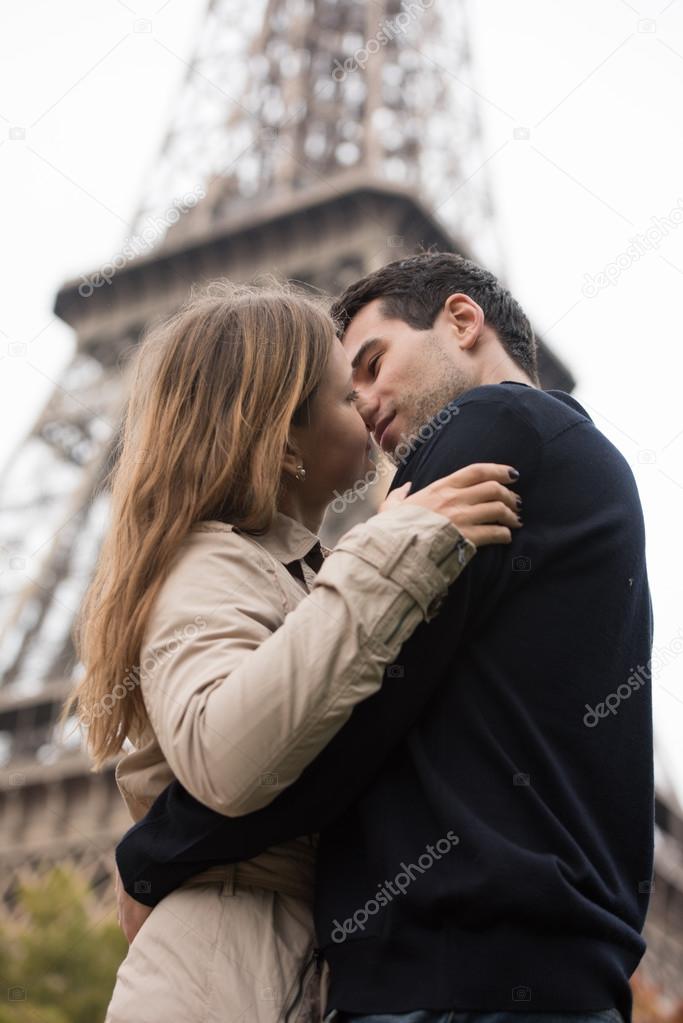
247,673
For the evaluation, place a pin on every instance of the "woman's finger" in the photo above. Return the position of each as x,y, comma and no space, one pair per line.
491,512
480,472
482,493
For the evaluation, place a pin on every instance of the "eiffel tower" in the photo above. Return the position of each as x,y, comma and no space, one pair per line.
318,141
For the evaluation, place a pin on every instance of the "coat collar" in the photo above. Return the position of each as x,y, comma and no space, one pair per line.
287,539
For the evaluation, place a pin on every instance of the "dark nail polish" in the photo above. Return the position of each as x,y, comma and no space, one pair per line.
514,475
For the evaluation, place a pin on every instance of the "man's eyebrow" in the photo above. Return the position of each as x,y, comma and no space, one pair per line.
370,343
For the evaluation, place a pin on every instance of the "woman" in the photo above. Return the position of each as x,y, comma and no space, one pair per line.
210,644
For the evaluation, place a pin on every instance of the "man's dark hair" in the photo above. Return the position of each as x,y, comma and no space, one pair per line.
415,289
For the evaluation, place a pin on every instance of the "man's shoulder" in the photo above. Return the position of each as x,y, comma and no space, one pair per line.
512,408
508,423
552,423
546,412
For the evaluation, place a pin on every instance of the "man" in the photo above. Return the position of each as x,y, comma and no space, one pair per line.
486,820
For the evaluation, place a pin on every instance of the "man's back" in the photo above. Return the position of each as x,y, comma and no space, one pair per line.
503,856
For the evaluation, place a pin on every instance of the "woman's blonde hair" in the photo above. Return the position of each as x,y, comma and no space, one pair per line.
215,390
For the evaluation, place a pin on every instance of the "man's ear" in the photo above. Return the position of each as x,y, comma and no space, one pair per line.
465,318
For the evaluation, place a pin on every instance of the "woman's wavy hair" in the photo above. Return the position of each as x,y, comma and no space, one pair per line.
215,389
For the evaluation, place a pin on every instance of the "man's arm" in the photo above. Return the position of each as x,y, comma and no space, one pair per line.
179,836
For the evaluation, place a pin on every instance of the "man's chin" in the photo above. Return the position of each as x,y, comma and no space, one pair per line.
391,438
400,445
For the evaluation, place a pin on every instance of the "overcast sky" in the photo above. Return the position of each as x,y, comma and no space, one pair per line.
581,105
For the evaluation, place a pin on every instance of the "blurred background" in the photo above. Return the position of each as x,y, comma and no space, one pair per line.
148,146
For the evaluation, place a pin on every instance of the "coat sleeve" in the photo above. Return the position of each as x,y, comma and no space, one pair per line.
241,697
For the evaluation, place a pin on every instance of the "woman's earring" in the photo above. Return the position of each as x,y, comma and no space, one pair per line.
300,473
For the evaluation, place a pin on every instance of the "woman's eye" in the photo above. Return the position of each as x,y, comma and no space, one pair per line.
353,396
372,365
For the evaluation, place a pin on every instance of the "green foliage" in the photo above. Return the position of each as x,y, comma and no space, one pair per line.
58,957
